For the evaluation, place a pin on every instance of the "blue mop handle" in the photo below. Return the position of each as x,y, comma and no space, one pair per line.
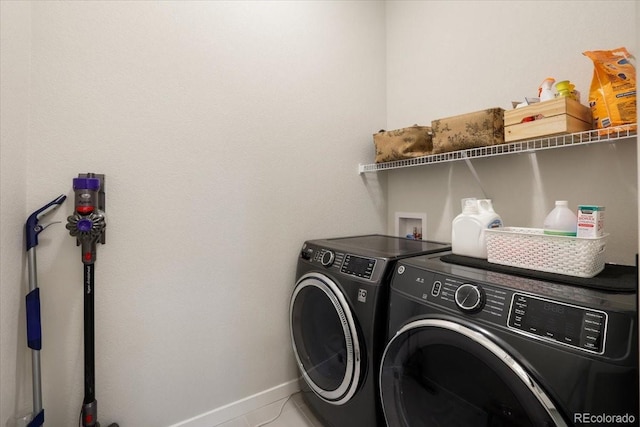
38,420
34,328
34,331
32,228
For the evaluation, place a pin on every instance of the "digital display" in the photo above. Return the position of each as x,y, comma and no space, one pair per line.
358,266
553,320
559,322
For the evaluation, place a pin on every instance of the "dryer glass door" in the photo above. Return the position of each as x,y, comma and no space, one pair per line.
441,373
325,339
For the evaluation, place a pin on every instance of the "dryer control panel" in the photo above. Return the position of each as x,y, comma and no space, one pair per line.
358,266
346,263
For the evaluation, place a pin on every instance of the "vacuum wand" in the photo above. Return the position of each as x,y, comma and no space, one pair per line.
87,225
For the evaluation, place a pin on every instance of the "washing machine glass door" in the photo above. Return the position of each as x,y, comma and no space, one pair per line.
325,339
441,373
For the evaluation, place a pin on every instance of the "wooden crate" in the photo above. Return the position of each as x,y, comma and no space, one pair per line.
554,117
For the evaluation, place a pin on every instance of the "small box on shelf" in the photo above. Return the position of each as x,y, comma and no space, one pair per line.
554,117
472,130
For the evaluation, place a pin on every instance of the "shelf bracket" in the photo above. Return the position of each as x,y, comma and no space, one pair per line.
475,175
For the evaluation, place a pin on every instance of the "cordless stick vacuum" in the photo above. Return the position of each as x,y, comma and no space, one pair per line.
87,225
34,329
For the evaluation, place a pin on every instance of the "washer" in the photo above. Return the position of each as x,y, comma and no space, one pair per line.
338,321
471,347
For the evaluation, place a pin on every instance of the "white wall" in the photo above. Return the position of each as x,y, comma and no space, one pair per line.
14,129
449,58
229,133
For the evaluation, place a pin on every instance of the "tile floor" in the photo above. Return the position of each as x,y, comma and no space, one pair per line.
295,413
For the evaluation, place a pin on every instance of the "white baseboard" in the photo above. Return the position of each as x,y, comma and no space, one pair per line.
242,406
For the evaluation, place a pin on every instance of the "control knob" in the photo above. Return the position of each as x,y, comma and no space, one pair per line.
327,258
469,298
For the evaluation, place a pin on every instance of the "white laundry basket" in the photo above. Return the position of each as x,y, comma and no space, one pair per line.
531,248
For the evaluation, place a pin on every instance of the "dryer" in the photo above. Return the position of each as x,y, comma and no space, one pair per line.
338,321
472,347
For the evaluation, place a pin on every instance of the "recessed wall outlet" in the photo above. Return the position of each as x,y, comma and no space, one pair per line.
413,225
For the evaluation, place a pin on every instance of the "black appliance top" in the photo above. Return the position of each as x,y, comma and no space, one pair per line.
614,277
621,295
377,245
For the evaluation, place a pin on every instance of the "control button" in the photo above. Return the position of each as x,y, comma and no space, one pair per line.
437,285
327,258
469,298
401,269
306,253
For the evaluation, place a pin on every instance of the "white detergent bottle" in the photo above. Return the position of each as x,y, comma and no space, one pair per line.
561,221
468,229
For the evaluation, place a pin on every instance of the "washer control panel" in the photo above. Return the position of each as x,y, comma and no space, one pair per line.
469,298
581,328
460,295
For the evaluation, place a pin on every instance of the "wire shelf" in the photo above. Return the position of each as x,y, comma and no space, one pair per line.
531,145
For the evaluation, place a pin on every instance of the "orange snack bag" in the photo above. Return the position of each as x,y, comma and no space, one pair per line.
612,96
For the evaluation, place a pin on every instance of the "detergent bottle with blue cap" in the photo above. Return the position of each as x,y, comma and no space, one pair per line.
468,237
